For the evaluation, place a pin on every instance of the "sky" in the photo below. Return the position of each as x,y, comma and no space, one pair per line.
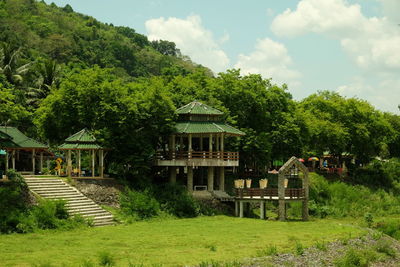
348,46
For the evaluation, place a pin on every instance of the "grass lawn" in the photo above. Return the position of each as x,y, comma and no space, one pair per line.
172,242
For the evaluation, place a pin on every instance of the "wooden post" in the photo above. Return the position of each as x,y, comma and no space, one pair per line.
190,179
13,159
41,162
93,162
79,163
217,147
281,196
33,160
241,209
201,143
69,163
101,161
210,180
181,143
172,175
262,210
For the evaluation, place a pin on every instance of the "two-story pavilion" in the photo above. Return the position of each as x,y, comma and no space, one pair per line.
197,147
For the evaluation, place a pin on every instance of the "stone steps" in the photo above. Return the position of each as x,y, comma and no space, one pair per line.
77,203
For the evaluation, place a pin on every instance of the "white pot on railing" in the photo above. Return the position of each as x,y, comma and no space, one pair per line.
248,183
286,182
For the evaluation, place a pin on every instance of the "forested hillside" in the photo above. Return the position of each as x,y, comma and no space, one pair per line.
61,71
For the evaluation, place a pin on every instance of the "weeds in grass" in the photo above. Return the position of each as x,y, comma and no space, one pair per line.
384,246
376,235
270,250
87,263
220,264
130,264
212,248
106,259
45,264
354,257
299,249
321,245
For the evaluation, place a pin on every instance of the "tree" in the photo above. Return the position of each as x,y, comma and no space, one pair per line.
10,64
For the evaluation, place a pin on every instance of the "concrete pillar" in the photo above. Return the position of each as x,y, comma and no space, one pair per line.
241,209
262,210
201,143
41,162
190,145
221,178
210,179
305,210
210,145
172,146
7,158
79,163
236,208
281,196
69,163
93,162
13,159
306,195
190,179
33,160
101,163
172,175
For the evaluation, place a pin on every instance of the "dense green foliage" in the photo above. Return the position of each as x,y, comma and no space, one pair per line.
138,204
340,199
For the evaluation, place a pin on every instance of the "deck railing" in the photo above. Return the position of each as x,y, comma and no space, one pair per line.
292,193
185,155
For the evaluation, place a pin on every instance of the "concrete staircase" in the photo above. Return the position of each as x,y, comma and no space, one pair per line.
77,203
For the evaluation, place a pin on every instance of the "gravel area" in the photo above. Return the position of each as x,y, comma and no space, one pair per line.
101,192
327,254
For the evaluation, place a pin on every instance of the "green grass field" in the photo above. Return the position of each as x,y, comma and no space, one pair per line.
173,242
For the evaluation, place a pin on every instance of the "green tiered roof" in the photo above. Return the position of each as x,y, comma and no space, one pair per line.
203,123
11,137
197,108
82,140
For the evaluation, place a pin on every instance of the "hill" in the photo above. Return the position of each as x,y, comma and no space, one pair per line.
68,37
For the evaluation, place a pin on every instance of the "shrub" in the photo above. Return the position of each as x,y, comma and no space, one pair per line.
177,201
386,247
270,250
389,227
369,218
138,204
356,258
106,259
13,202
299,249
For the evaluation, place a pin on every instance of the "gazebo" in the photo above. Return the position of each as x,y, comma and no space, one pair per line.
289,176
78,143
22,150
197,147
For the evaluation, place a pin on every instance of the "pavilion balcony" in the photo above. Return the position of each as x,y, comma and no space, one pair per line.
197,158
269,193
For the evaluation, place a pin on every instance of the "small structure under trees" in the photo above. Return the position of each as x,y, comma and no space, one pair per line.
197,147
79,143
22,152
293,169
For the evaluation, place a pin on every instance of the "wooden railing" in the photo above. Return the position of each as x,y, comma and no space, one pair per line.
179,155
292,193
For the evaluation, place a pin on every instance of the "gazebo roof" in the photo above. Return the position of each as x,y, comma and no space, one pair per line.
11,137
203,127
82,140
198,108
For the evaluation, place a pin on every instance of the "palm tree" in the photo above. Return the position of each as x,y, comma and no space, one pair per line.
9,64
49,73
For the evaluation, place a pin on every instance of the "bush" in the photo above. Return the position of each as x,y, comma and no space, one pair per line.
106,259
13,202
175,200
138,204
354,258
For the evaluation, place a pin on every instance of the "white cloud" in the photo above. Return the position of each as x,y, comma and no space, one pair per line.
191,38
373,43
271,60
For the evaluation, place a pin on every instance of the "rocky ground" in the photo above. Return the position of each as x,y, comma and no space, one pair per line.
101,192
373,249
